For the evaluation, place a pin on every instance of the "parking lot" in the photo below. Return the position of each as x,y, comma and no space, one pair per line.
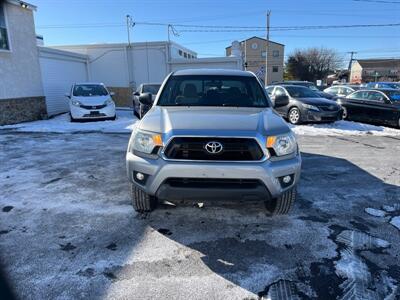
68,230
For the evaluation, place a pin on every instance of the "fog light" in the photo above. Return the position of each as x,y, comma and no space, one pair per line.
285,179
139,176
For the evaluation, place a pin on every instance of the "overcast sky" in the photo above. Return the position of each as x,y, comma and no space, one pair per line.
75,19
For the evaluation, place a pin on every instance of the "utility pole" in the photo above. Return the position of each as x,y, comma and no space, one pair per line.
351,58
267,49
129,24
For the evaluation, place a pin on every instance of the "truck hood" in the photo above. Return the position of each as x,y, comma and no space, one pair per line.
213,120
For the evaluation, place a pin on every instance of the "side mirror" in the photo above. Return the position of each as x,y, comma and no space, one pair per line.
112,94
281,100
136,94
146,99
68,95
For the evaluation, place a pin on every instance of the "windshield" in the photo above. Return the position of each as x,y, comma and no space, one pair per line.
394,96
213,90
301,92
89,90
151,88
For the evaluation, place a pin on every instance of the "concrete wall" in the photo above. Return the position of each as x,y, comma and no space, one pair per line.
19,67
21,91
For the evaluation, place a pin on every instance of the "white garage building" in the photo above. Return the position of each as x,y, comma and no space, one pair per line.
120,67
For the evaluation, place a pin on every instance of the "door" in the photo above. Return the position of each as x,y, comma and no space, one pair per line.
378,108
354,104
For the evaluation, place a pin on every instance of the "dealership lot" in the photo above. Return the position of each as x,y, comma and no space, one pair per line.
67,229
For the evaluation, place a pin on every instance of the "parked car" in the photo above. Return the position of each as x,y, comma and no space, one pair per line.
373,106
305,105
341,90
309,85
383,85
213,134
90,101
140,109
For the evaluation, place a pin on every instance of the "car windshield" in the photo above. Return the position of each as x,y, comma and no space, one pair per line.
213,90
394,96
301,92
89,90
151,88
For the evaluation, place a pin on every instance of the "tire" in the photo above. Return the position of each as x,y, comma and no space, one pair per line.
294,116
282,204
141,201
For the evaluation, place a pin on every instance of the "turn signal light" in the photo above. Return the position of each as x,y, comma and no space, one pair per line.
157,139
271,141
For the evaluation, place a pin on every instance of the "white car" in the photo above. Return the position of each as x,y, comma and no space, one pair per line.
90,101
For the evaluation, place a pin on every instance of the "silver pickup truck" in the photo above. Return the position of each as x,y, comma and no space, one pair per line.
213,134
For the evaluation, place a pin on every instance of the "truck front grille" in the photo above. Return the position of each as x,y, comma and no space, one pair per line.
233,149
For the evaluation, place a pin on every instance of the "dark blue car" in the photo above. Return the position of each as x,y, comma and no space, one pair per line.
384,85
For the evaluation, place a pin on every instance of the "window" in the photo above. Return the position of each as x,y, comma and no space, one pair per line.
89,90
180,52
212,90
332,90
4,43
275,53
185,55
275,69
375,96
263,54
269,90
358,95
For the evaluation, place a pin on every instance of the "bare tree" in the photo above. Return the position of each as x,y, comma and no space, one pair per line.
313,63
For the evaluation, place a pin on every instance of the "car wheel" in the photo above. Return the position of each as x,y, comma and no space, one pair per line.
344,114
294,116
141,201
282,204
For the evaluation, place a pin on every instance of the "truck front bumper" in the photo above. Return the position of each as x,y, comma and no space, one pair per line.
176,180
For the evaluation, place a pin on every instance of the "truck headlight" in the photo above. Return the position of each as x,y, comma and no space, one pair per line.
311,107
75,102
282,144
146,141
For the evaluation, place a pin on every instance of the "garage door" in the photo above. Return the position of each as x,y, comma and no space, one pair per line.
58,74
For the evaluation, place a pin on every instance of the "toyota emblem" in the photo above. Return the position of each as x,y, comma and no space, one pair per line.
214,147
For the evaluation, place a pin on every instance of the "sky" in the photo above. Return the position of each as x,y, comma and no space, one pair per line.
69,22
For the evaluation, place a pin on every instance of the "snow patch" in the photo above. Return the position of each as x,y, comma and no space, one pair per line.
344,128
375,212
395,221
124,123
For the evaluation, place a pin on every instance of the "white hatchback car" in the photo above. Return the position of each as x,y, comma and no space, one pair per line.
90,101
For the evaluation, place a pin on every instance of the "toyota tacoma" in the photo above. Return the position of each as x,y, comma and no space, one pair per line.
213,134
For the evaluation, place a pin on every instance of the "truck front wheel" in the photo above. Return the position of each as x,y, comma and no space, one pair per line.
141,201
282,204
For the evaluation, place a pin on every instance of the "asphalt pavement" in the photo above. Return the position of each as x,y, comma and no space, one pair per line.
68,231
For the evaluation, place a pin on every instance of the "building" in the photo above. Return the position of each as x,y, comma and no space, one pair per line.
367,70
253,54
21,92
34,79
121,67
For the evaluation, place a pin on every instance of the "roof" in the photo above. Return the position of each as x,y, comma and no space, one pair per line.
379,63
256,37
22,4
220,72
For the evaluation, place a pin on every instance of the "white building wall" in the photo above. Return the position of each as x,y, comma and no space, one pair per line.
60,69
19,68
207,63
